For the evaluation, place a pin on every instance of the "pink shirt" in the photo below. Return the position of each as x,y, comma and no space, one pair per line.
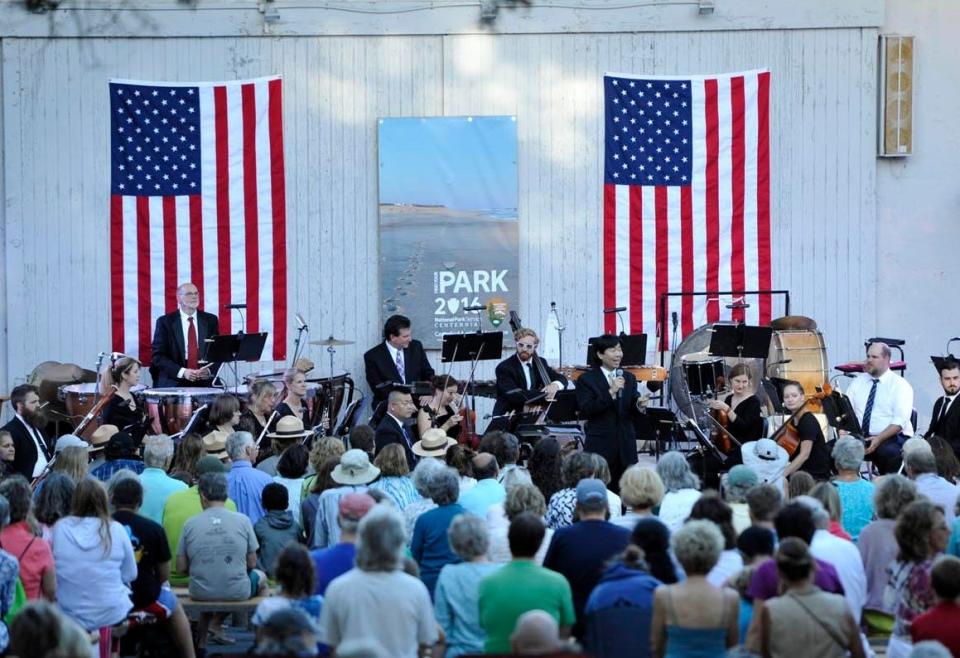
34,561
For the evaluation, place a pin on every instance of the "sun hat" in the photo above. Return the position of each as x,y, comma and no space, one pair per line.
433,443
355,468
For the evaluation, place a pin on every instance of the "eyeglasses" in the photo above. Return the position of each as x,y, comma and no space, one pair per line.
190,294
527,346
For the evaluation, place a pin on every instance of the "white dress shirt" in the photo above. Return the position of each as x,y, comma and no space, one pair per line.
939,491
41,462
892,405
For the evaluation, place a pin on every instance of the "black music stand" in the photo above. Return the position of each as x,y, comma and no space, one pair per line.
634,348
474,347
563,409
231,348
740,340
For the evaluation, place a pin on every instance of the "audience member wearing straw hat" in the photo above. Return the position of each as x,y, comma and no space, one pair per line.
98,441
433,443
353,473
288,431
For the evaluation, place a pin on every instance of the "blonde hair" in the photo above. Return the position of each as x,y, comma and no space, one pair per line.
641,487
72,461
523,332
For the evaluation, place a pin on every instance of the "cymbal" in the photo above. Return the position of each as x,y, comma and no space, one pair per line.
331,342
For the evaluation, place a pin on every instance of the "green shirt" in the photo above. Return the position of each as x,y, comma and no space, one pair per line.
181,506
518,587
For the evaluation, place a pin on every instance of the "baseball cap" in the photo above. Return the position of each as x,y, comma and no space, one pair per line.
591,490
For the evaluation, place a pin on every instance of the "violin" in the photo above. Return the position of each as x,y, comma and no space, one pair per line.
468,424
788,436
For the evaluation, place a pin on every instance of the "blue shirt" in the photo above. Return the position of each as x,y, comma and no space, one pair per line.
622,599
430,547
856,500
399,489
332,562
482,497
245,486
457,605
326,530
157,487
105,471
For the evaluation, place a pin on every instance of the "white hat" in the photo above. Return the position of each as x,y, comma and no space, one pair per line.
433,443
355,468
764,455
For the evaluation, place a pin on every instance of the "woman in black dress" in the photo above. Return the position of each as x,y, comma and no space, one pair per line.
812,454
442,410
742,407
123,409
293,404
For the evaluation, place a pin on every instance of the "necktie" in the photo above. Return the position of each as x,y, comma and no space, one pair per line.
528,373
943,409
192,348
42,443
403,376
868,410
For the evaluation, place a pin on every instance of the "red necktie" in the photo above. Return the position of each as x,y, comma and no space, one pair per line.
191,344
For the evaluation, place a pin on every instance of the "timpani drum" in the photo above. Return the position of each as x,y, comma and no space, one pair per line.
79,399
174,406
805,355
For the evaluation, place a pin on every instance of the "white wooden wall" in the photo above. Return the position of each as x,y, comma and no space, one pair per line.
55,170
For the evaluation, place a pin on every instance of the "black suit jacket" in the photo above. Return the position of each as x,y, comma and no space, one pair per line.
389,431
949,427
381,369
609,430
26,450
510,378
168,347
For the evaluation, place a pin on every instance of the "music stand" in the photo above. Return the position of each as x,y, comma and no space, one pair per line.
474,347
564,408
740,340
634,348
231,348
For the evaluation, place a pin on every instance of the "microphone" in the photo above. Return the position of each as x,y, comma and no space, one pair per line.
553,306
618,373
301,323
615,309
475,308
673,318
234,306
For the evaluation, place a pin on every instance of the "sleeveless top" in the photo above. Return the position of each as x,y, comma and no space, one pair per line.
683,642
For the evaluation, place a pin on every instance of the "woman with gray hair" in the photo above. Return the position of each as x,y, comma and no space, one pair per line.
456,600
694,618
377,600
878,548
429,545
856,494
681,486
422,473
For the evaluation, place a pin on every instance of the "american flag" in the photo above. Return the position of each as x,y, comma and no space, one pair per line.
197,194
686,203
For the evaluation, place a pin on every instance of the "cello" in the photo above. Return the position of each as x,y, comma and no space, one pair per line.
787,435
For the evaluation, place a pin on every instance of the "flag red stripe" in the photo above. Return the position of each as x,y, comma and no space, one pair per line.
223,206
609,256
143,277
663,254
196,244
737,147
278,192
686,258
250,219
635,322
712,120
763,196
170,282
116,271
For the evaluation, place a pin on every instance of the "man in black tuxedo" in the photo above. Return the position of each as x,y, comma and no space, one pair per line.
608,399
397,360
392,429
32,450
178,342
518,377
945,420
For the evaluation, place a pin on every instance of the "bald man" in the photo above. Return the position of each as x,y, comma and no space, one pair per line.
883,403
178,342
537,633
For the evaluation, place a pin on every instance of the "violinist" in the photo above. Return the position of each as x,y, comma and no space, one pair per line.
122,409
521,377
811,454
293,404
742,408
443,408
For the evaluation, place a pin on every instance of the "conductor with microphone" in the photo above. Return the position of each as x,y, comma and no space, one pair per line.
608,398
178,342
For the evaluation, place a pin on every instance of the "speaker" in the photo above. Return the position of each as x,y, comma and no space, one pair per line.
896,96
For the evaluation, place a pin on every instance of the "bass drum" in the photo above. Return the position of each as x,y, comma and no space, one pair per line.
805,355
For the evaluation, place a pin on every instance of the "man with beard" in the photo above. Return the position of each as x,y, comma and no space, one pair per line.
883,403
32,451
518,377
945,420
